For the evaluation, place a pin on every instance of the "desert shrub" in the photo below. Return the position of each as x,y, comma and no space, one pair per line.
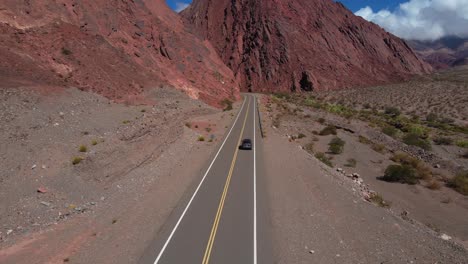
66,51
460,183
282,95
300,135
83,148
443,141
366,106
328,130
323,158
422,171
418,130
378,200
309,147
188,125
226,104
208,129
312,103
364,140
351,163
126,122
434,185
465,155
336,145
415,140
400,173
201,138
94,142
392,111
321,120
380,148
431,117
462,143
76,160
390,131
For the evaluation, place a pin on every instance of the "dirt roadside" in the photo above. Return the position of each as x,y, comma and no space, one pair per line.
106,208
319,217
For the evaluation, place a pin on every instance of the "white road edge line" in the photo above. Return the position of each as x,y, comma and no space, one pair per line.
198,187
255,184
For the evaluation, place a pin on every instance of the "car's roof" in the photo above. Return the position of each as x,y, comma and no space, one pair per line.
246,140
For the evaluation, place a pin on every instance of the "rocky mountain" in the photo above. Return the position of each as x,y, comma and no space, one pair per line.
112,47
450,51
293,45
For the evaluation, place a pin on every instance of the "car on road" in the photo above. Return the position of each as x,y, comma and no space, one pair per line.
246,144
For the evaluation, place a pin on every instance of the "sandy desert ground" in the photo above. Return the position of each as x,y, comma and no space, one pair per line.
359,120
133,163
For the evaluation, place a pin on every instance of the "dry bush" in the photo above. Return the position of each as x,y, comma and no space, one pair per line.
328,130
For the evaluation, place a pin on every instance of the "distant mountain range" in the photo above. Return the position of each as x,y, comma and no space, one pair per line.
443,53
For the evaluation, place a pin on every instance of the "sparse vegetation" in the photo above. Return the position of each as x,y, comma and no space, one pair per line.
125,122
364,140
378,200
400,173
465,155
392,111
462,143
83,148
143,110
336,145
300,135
351,163
188,125
390,131
422,171
76,160
323,158
460,183
201,138
94,142
328,130
443,141
414,140
380,148
208,129
309,147
434,185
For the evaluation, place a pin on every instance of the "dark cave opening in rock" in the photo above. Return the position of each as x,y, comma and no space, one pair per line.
306,83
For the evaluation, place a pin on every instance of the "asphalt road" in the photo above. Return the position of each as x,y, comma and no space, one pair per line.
224,217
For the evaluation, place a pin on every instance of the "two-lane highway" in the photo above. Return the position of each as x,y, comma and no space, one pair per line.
220,221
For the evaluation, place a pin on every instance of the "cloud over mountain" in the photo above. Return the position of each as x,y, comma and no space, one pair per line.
422,19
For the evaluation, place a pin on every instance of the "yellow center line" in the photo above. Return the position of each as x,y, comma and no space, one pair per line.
209,246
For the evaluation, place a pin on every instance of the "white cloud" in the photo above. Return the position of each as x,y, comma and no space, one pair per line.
181,6
422,19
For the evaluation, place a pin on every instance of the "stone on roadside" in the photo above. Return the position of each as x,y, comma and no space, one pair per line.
41,190
445,237
45,203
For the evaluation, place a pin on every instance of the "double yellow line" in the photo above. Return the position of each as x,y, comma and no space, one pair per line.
209,246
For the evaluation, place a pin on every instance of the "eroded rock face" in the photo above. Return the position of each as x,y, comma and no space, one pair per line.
297,45
115,48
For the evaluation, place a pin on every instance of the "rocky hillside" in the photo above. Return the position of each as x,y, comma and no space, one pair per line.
443,53
115,48
301,44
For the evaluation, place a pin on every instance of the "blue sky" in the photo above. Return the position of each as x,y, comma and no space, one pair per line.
353,5
409,19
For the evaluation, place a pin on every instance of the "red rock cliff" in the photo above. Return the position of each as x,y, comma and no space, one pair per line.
115,48
301,44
